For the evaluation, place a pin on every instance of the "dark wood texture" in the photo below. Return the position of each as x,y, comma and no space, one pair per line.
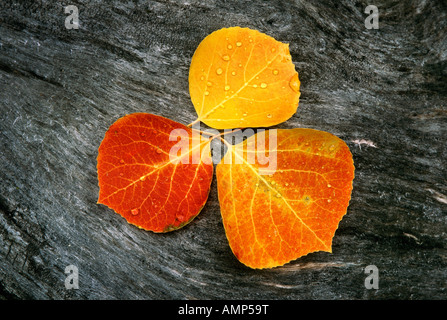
62,88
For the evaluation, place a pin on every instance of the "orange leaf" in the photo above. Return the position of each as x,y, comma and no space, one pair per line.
242,78
144,180
275,214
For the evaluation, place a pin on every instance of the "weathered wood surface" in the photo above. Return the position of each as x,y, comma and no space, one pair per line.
61,89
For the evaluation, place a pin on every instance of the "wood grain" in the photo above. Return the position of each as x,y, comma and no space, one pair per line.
383,91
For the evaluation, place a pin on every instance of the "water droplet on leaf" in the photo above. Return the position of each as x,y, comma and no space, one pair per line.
294,83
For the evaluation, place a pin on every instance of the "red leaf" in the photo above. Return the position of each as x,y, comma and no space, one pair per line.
144,180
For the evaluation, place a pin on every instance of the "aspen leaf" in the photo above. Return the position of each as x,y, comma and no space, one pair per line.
154,171
242,78
274,215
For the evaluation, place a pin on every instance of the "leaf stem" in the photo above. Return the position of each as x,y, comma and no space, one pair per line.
194,122
224,133
212,135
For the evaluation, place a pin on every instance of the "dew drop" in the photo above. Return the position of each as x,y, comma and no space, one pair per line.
209,83
275,71
227,88
142,178
202,78
135,211
238,44
263,85
240,65
207,93
328,200
230,47
328,185
286,184
142,134
219,71
294,83
273,49
121,174
273,183
255,86
269,116
332,147
245,114
154,131
158,151
226,57
121,161
278,195
233,73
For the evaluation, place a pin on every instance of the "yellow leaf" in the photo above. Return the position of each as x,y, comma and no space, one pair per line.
243,78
